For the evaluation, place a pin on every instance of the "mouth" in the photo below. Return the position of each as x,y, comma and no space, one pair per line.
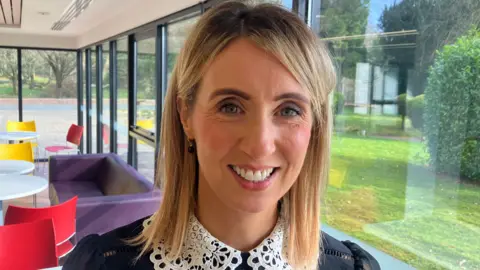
253,176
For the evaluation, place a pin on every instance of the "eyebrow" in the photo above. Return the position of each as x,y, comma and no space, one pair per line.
245,96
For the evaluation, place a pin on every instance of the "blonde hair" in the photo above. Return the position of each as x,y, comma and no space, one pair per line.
285,35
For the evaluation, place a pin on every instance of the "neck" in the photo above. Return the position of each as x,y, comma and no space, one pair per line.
240,230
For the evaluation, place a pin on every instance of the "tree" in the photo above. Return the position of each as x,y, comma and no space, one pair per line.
343,24
436,22
9,67
63,64
452,108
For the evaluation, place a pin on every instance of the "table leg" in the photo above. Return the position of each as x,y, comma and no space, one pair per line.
1,213
35,200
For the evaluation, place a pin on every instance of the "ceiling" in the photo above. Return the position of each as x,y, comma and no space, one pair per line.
10,13
100,20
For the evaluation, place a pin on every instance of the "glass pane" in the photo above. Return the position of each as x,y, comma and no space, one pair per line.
122,105
177,34
49,80
8,87
84,102
106,98
405,152
146,84
146,160
93,112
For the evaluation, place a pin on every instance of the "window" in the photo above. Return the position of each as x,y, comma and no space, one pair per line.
8,87
122,104
49,87
93,111
106,97
405,141
146,104
176,35
146,84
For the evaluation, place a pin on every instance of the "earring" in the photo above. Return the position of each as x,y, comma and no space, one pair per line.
191,147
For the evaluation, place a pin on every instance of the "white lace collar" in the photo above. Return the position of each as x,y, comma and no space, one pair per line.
202,251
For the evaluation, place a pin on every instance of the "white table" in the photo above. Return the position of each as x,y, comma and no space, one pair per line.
17,186
18,136
8,167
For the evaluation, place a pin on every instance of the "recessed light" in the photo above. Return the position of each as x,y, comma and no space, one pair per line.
44,13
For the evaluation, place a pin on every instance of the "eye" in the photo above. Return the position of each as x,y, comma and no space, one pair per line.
230,108
290,111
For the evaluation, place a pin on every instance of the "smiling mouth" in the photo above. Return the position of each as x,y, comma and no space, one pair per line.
253,176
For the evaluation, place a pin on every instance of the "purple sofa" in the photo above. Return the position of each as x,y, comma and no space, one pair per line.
110,192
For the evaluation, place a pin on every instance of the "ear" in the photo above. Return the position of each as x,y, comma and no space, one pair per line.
185,118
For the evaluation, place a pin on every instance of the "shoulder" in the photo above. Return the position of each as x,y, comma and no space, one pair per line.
107,251
344,255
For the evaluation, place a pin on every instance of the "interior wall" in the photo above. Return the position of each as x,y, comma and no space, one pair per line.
38,41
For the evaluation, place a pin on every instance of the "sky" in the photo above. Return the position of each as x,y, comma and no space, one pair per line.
376,9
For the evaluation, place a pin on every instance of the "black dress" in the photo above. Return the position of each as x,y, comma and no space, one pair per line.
109,251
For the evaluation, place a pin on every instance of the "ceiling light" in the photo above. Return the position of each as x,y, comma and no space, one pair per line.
73,10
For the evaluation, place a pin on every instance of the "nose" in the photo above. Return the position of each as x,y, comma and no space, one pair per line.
258,138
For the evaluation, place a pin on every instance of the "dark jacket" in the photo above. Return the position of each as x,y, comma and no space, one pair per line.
109,252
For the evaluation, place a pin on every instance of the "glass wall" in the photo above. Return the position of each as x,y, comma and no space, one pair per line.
146,84
405,151
93,111
8,87
122,103
176,35
106,97
146,103
49,80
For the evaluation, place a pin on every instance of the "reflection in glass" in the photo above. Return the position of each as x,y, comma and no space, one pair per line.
93,111
146,84
406,129
122,103
106,98
177,34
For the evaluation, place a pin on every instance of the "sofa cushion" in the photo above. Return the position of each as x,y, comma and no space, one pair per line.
116,177
82,189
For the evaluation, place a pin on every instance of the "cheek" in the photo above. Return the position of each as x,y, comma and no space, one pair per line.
296,140
213,138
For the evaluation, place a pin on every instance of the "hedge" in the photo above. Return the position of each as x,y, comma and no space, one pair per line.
452,108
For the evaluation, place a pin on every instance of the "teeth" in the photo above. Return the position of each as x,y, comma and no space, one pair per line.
254,176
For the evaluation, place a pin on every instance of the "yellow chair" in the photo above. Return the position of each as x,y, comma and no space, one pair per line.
17,151
21,126
146,124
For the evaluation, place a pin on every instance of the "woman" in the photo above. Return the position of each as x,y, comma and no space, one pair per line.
245,143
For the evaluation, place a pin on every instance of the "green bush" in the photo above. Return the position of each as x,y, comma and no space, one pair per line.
452,108
338,102
415,111
402,104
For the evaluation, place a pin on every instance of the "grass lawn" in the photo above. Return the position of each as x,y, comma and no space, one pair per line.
375,125
381,192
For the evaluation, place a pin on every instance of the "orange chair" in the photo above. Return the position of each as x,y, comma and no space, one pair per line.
28,246
63,216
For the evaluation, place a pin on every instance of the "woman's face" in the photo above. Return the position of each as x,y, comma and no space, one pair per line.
251,123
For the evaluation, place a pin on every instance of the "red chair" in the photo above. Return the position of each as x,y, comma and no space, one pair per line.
63,216
106,137
74,136
28,246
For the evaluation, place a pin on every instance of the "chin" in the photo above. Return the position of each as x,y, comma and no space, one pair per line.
253,206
